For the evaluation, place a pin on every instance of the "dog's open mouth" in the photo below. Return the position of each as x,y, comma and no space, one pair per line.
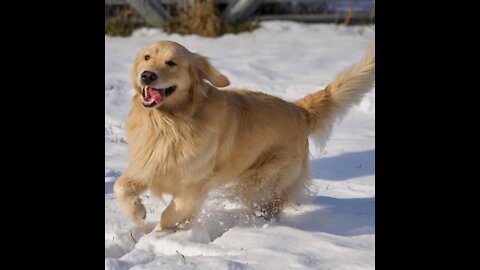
152,96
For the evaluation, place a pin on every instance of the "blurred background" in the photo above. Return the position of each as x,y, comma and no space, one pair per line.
217,17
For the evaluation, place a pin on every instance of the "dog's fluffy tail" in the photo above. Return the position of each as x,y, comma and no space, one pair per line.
346,89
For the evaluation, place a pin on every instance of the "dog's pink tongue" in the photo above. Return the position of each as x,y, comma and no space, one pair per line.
155,94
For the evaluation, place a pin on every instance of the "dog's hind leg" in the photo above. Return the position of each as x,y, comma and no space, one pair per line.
128,191
268,186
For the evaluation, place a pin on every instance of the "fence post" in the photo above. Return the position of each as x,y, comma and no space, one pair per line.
151,10
239,10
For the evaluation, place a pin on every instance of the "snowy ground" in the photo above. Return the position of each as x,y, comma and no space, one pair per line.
336,230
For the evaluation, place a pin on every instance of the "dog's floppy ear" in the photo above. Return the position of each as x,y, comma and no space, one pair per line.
208,72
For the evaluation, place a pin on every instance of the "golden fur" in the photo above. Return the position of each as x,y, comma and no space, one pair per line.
200,137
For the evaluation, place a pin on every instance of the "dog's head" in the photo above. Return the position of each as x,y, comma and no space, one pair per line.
166,74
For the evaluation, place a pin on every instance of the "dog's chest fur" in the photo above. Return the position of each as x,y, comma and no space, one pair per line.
177,151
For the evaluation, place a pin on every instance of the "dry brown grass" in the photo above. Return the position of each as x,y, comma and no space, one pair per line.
348,17
121,22
202,18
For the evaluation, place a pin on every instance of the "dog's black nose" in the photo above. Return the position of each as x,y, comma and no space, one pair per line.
148,77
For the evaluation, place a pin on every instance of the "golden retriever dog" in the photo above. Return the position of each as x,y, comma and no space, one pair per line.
187,137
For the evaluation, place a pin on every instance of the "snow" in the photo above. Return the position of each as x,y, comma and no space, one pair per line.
335,230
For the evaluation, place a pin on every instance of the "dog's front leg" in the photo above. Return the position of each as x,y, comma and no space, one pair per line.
183,207
128,191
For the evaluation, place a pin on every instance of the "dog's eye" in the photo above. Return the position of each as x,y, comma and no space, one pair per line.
147,57
170,63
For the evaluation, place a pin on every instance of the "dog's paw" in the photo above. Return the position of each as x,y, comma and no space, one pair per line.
157,228
138,213
134,210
